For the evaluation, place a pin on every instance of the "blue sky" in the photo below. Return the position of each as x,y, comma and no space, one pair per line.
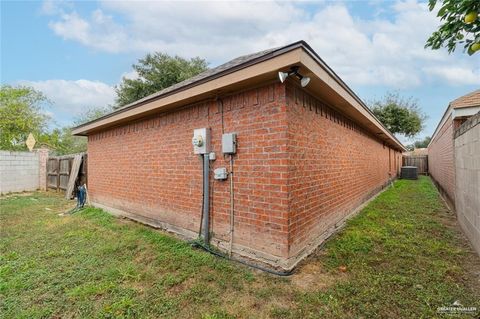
76,52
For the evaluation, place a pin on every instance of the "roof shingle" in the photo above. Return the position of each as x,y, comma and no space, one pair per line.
206,74
468,100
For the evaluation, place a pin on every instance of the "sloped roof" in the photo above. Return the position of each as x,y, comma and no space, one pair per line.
471,99
418,152
242,60
235,73
468,100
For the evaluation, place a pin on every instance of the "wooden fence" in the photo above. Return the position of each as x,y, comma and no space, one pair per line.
420,161
59,169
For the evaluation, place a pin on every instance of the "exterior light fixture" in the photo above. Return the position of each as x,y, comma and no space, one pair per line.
304,80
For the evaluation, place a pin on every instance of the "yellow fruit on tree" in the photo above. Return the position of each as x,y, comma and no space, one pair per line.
475,47
470,17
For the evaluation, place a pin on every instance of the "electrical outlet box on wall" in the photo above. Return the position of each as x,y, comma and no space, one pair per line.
229,143
220,173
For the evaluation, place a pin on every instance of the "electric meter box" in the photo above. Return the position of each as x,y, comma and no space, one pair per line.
201,141
229,143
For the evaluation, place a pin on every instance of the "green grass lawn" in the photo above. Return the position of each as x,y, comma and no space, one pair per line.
404,257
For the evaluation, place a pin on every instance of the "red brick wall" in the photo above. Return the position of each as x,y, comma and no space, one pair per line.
441,164
148,168
300,167
334,166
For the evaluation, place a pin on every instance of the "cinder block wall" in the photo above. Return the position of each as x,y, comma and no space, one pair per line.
19,171
335,166
467,185
42,162
441,164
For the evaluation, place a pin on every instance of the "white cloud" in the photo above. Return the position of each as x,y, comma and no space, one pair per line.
455,75
132,75
52,7
387,50
49,7
71,98
100,32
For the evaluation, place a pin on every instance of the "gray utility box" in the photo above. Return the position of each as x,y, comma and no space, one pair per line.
409,172
229,143
220,173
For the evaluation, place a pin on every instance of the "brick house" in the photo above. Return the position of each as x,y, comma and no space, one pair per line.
441,155
306,157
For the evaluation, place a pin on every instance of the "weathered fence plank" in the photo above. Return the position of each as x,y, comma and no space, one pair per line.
420,161
59,170
73,175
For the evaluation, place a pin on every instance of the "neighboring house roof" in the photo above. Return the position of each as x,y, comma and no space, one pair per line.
468,100
240,72
464,106
418,152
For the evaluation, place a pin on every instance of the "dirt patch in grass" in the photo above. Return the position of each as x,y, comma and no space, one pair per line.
313,276
10,195
404,256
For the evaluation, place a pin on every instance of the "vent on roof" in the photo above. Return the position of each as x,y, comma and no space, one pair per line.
409,172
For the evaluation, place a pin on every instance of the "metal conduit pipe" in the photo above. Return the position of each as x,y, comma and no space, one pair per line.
232,207
206,199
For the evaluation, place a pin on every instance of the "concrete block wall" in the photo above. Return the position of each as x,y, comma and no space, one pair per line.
21,171
467,185
42,162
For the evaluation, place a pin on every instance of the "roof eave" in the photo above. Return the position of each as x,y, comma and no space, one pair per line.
78,129
313,62
278,59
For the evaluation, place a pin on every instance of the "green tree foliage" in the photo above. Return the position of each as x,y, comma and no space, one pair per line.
91,114
157,71
423,143
460,25
399,115
21,114
61,140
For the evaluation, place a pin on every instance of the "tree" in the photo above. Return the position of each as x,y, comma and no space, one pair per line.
157,71
461,25
62,141
21,114
399,115
91,114
420,143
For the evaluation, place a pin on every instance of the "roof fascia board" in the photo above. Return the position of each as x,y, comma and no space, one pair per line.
440,124
465,111
259,59
245,73
323,72
299,52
